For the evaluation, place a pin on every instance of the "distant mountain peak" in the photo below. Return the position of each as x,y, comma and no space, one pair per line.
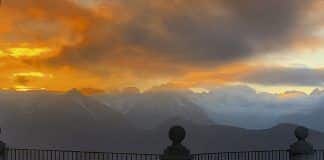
130,90
317,91
74,92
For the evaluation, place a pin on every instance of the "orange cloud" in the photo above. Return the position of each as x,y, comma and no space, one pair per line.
114,44
230,73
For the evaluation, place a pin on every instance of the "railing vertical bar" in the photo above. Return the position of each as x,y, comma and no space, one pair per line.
6,154
11,153
34,155
19,155
51,154
16,154
46,155
26,154
247,155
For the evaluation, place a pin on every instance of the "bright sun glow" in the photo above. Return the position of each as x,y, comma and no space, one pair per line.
26,52
2,54
30,74
199,90
22,88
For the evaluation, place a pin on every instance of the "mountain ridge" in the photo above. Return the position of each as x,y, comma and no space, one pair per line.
76,121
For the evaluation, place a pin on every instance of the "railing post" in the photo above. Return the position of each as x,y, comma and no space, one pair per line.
301,150
2,149
176,151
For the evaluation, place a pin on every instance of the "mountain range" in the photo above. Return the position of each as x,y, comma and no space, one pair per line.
138,122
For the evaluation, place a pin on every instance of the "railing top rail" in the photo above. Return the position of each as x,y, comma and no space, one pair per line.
78,151
229,152
62,150
134,153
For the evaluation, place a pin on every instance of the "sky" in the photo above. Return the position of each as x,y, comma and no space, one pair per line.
106,45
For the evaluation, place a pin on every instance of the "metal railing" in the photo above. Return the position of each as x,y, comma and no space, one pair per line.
34,154
247,155
319,155
252,155
176,151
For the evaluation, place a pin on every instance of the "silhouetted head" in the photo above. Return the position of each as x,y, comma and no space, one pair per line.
177,134
301,133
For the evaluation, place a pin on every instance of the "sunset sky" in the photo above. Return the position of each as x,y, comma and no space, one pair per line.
270,45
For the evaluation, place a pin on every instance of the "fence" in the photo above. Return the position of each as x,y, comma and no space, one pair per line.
252,155
300,150
319,155
248,155
34,154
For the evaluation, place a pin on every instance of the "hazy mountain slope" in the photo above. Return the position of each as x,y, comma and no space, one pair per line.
313,119
75,121
149,109
244,107
217,138
51,120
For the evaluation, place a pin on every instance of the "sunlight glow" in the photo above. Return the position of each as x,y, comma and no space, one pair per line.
199,90
2,54
31,74
309,59
26,52
282,89
22,88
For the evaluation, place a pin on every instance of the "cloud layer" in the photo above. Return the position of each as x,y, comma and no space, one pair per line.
189,32
120,43
286,76
242,106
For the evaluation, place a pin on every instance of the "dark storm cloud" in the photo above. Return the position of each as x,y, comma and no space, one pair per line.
198,32
206,32
286,76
